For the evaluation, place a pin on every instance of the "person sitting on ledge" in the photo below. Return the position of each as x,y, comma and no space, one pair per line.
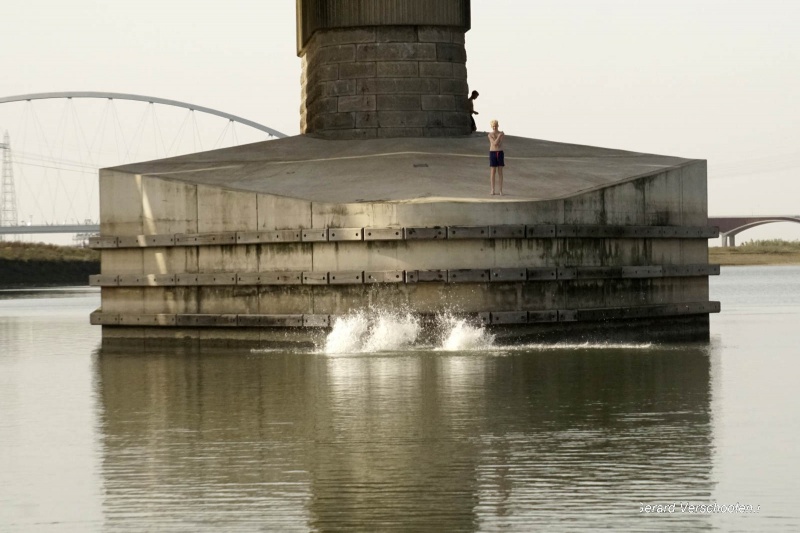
471,103
496,155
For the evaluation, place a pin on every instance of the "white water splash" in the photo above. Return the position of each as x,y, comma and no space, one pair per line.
459,335
380,331
346,335
391,331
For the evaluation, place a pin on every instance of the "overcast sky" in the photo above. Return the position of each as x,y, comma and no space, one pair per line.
711,79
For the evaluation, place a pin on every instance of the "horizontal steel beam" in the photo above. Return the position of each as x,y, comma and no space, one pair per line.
51,228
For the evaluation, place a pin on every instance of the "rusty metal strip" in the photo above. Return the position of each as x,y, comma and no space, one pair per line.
510,231
485,318
383,234
205,239
468,232
497,275
345,234
415,233
158,319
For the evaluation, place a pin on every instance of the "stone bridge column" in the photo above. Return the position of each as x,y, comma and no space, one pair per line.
383,68
727,239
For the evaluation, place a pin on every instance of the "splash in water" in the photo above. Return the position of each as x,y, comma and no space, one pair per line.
375,331
387,331
458,335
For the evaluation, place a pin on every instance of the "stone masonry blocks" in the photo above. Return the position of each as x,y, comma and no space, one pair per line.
455,120
435,34
398,69
438,103
366,120
398,86
335,54
339,88
346,36
455,87
436,69
399,102
396,52
402,119
324,105
351,71
357,103
435,119
334,121
407,78
391,34
453,53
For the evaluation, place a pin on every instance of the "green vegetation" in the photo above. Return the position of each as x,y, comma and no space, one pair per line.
772,246
25,251
36,264
766,252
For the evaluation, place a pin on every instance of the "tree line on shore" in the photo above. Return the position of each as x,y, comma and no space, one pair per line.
37,264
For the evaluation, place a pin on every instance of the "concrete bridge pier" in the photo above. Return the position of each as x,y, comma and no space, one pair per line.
727,240
384,201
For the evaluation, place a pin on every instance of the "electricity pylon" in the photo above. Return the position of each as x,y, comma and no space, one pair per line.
8,197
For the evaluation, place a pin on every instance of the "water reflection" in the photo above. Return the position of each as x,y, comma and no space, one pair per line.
410,441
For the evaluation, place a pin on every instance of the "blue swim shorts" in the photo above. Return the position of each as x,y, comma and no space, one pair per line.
496,159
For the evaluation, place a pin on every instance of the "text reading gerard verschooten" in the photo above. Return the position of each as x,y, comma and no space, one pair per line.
698,508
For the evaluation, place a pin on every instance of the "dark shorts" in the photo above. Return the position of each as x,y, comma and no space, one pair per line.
496,159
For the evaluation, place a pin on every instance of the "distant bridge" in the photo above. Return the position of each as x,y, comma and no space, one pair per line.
50,228
10,223
140,98
729,227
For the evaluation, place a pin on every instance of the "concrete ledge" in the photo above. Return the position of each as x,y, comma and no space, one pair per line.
358,277
486,317
537,231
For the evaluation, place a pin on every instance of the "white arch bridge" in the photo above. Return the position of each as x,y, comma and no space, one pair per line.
730,227
10,223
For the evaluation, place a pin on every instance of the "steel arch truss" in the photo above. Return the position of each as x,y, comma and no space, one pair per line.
141,98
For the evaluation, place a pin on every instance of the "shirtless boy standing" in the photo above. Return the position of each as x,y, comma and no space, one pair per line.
496,155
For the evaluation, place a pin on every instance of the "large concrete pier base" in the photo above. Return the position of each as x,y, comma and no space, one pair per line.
384,204
271,242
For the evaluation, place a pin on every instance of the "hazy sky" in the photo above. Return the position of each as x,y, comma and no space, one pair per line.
711,79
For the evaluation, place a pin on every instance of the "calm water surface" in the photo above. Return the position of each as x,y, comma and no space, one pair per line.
555,437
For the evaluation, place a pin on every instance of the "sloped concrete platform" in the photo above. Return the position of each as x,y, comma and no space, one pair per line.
415,170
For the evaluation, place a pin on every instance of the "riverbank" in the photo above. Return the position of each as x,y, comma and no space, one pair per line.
27,264
771,252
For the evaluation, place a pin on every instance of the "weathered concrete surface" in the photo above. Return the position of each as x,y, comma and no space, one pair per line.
416,171
305,184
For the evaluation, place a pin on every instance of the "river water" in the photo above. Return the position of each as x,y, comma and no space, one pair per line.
367,433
